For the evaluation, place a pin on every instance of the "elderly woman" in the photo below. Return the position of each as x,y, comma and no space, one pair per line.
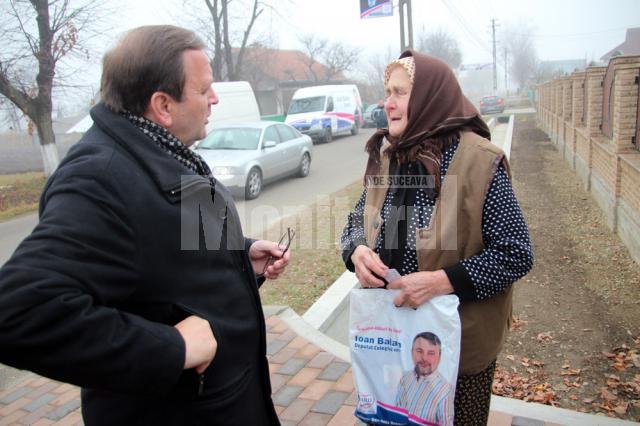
459,231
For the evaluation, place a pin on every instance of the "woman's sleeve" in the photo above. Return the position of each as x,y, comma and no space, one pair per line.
353,233
507,256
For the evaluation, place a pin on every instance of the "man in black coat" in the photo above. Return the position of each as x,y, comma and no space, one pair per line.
380,116
138,284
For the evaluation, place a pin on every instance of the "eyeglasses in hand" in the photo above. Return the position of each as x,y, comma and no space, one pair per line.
285,240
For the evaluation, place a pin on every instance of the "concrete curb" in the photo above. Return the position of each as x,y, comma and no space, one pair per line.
546,413
302,328
506,146
327,308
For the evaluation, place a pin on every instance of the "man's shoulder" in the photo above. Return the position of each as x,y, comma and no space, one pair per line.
407,375
441,381
94,154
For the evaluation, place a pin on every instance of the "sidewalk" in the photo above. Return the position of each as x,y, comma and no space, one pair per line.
311,386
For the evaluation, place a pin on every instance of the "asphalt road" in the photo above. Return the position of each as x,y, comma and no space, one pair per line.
333,166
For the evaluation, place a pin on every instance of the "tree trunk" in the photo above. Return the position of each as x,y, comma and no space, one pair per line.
50,158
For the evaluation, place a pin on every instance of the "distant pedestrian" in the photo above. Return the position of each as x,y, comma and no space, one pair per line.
380,116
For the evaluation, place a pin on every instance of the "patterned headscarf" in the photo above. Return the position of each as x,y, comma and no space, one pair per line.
409,65
437,112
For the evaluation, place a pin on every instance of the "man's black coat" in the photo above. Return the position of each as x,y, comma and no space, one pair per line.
129,243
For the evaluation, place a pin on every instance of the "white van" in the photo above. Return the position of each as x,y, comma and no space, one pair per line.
236,103
325,111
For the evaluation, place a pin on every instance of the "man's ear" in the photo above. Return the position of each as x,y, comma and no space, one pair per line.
159,109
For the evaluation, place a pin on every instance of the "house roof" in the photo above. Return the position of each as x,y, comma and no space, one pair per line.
630,46
287,65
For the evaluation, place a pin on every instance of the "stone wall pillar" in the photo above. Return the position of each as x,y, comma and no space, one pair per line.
566,129
593,116
625,101
582,157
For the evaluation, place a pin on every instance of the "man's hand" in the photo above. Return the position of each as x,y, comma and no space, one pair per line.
420,287
200,343
259,253
367,263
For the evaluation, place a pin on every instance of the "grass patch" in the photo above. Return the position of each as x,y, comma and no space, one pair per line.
316,256
20,193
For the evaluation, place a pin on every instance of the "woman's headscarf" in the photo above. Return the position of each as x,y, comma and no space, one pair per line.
437,112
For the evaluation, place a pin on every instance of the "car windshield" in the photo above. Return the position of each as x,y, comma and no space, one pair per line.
315,103
490,99
231,138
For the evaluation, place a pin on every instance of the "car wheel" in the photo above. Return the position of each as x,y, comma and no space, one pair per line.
305,165
253,186
355,128
328,136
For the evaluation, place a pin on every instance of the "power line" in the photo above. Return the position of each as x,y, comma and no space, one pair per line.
466,27
566,35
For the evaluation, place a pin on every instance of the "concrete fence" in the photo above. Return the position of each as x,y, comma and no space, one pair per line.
574,110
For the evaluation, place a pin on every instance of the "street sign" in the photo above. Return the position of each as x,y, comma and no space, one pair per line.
375,8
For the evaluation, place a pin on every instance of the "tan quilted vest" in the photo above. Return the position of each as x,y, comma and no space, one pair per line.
455,233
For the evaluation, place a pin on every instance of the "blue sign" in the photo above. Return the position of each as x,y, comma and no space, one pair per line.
375,8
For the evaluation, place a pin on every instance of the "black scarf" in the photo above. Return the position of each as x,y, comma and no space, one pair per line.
392,246
172,146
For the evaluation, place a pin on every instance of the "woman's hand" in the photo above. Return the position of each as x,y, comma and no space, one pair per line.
420,287
261,251
367,263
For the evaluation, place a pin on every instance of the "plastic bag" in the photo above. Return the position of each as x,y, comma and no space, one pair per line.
404,361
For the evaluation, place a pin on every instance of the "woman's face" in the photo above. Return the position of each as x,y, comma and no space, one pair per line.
398,91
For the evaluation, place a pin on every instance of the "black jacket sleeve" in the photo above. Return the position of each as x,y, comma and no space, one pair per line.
60,292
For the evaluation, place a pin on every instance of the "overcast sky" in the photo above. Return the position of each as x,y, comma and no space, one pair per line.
562,29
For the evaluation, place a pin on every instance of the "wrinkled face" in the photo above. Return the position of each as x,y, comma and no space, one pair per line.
190,115
426,356
398,91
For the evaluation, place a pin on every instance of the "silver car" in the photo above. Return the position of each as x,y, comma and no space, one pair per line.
244,156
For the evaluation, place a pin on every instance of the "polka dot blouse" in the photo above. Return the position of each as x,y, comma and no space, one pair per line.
507,255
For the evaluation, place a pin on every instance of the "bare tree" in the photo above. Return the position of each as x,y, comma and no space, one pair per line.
325,60
37,35
314,47
339,59
522,52
258,60
441,45
374,71
11,115
229,46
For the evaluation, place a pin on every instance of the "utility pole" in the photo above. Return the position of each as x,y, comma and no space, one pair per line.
405,42
495,75
506,85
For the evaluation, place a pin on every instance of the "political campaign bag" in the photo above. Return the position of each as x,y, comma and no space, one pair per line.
395,384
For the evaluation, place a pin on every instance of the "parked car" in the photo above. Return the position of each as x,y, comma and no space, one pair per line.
489,104
367,119
245,156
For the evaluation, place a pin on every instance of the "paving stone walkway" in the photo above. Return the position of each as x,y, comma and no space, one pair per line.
311,387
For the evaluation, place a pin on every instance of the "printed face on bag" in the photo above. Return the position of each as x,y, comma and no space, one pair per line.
426,356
